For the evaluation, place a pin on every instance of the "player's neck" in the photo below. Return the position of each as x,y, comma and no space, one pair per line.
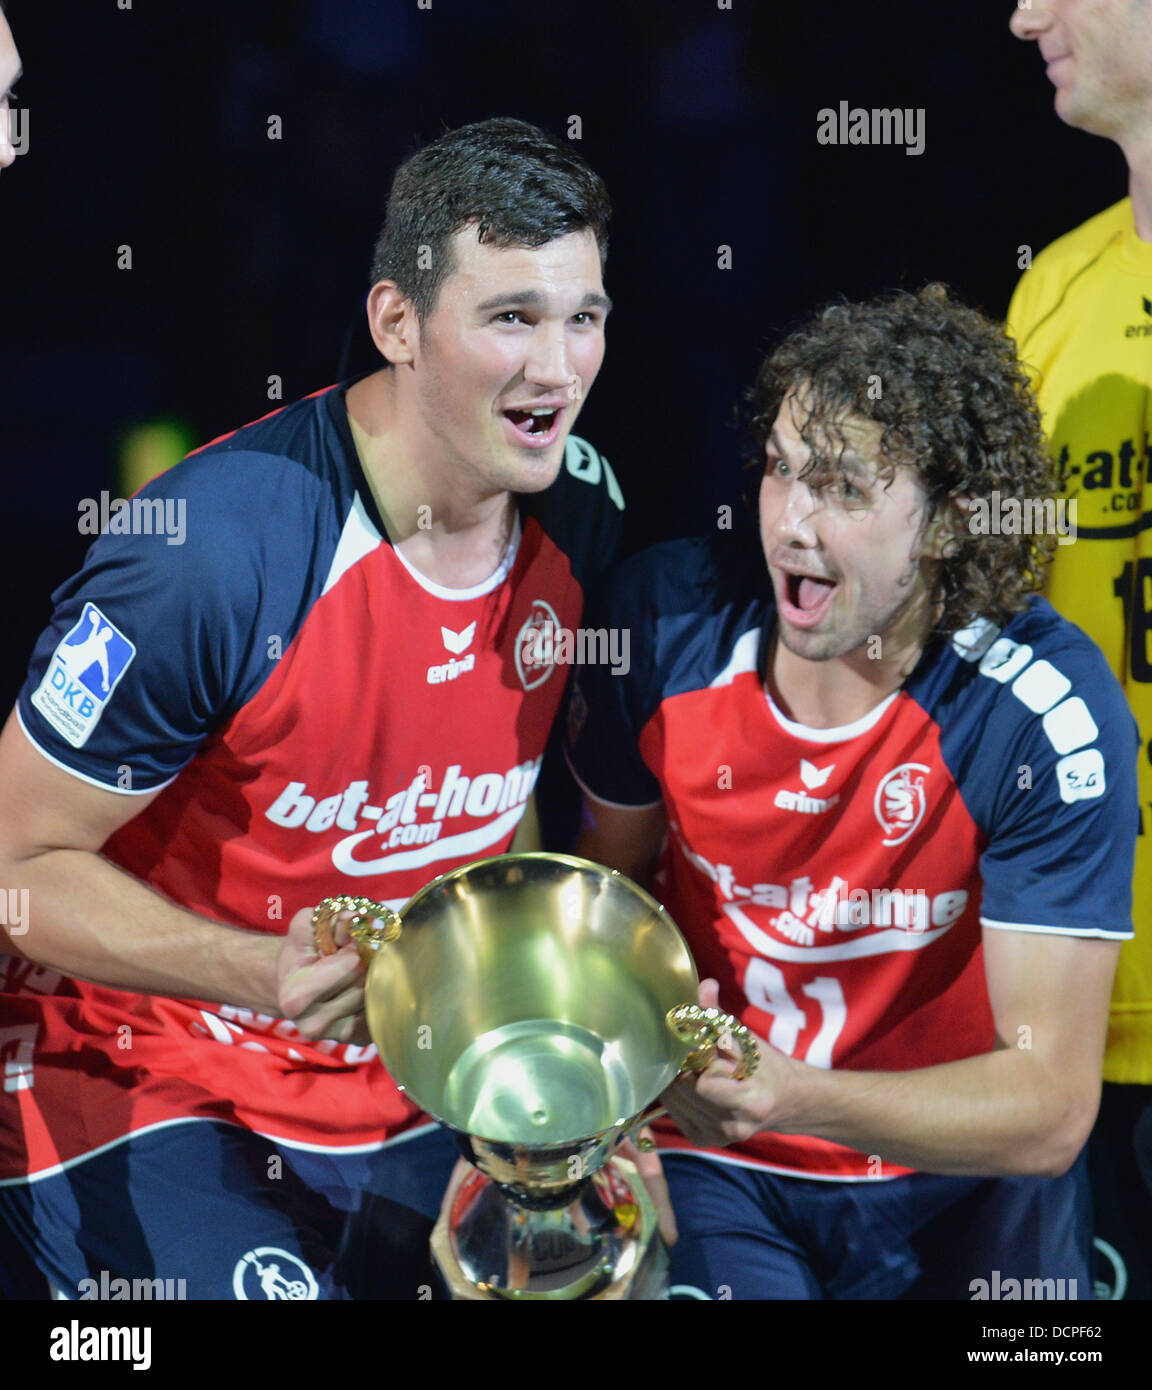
1139,156
840,690
830,694
454,538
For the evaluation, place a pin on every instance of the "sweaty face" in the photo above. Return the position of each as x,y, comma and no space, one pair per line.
842,544
1098,56
9,71
507,355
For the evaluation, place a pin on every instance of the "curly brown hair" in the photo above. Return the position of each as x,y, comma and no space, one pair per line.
945,383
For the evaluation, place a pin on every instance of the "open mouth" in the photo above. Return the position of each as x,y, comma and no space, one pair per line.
806,598
538,426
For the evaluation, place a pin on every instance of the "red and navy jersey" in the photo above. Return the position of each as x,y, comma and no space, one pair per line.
836,882
320,719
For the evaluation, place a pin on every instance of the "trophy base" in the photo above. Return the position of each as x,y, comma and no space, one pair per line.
604,1244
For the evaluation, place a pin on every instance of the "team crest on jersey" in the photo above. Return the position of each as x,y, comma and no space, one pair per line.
900,802
536,645
84,671
267,1272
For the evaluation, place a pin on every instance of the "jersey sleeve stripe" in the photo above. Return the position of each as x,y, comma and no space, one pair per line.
602,800
83,776
1045,929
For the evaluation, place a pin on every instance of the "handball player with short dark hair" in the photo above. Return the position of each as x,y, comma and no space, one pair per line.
321,689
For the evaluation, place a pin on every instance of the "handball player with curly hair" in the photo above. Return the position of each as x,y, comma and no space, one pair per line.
888,794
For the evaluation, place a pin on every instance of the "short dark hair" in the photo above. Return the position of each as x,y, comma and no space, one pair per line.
515,184
956,407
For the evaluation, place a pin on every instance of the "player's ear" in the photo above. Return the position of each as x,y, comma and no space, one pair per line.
941,539
392,322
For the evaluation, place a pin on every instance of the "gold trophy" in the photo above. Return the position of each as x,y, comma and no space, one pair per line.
536,1005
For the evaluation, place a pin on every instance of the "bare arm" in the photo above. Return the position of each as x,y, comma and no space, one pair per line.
90,919
1025,1108
623,837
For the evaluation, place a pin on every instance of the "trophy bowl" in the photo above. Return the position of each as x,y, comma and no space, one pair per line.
534,1004
524,1005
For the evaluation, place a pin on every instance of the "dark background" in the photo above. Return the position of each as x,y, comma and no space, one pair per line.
148,127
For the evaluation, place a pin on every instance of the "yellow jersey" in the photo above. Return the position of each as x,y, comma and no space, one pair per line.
1081,316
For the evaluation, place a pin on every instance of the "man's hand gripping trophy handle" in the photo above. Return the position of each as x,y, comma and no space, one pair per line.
708,1032
368,924
321,966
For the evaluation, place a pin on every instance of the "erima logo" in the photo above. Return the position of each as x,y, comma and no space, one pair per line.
454,642
812,777
457,642
1141,330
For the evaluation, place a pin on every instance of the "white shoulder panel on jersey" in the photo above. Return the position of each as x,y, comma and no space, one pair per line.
359,538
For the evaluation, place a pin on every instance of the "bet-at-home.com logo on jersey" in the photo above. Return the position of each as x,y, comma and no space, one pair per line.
838,921
406,838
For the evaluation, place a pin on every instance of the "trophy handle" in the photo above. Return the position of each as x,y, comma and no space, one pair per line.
372,925
704,1029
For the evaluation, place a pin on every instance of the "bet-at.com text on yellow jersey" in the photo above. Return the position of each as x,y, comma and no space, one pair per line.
1082,320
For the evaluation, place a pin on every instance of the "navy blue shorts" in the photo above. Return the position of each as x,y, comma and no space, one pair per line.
214,1211
1120,1165
749,1234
